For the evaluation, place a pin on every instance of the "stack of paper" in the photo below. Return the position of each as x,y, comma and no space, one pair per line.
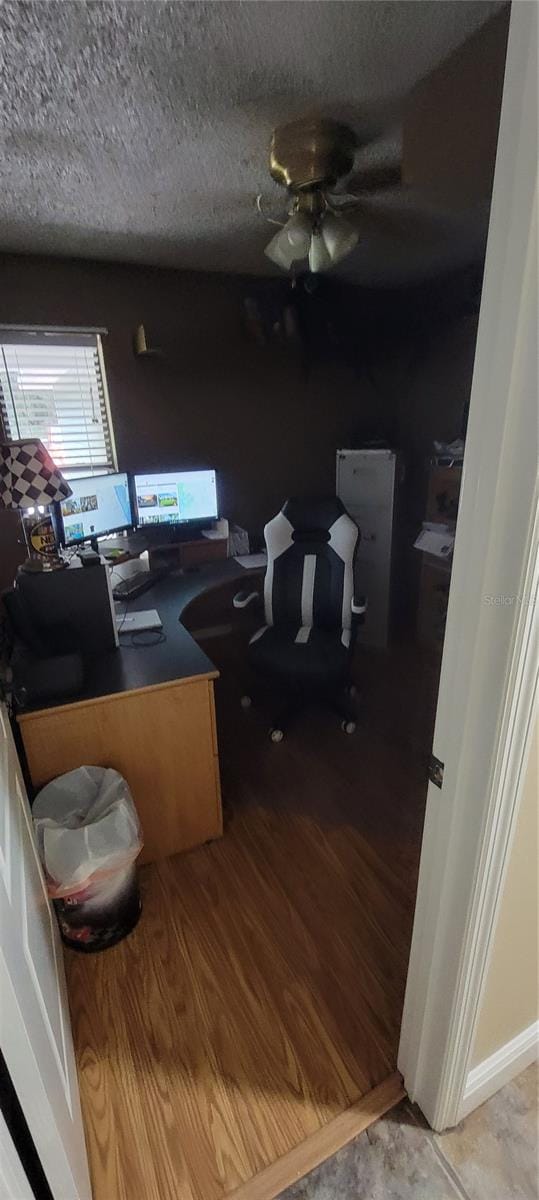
437,540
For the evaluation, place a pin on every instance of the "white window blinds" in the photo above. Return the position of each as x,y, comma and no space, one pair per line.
52,387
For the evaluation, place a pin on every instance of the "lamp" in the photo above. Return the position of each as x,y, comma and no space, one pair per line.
281,251
319,258
141,348
30,481
339,236
324,238
291,242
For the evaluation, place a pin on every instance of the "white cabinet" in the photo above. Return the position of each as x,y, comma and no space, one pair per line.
366,484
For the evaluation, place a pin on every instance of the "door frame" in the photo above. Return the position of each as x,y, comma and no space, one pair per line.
35,1027
13,1178
488,682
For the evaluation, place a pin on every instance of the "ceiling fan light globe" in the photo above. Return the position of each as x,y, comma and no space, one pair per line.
298,231
280,251
319,257
340,237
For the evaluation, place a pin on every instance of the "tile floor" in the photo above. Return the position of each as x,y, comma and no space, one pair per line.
492,1155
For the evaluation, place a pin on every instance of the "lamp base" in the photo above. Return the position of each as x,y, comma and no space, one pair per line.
41,544
43,564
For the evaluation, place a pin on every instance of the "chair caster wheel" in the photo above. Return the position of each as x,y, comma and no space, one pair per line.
276,735
348,726
246,702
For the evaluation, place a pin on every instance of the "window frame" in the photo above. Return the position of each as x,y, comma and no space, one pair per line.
42,331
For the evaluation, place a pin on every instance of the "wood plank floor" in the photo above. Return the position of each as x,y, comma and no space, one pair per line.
261,994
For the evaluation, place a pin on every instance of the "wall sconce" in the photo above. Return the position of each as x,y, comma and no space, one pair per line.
141,348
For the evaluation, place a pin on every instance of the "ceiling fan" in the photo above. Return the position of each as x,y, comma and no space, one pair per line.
311,158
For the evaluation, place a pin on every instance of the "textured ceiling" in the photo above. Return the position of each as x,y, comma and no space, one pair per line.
139,131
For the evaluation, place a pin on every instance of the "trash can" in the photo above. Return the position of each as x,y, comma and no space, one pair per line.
89,836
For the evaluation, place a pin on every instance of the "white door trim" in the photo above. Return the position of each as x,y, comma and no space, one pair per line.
489,670
14,1183
500,1068
35,1031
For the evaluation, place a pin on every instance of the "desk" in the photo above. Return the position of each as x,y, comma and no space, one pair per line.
149,712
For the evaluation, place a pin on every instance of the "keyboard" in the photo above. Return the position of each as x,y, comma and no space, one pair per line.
129,589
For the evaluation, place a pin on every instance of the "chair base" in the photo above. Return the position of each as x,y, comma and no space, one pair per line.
340,701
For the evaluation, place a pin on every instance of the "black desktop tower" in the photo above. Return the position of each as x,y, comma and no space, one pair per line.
71,610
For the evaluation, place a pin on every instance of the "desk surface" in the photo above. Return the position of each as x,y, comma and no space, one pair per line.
132,667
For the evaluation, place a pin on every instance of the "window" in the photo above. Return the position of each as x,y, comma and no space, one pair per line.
52,386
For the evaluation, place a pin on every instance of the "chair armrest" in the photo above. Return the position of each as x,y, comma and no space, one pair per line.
359,608
243,599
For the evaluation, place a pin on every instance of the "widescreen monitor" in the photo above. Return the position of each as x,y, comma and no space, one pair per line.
176,497
100,504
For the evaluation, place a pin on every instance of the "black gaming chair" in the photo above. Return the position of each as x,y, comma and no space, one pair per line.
304,649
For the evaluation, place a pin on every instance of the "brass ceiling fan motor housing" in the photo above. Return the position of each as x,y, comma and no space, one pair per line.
310,154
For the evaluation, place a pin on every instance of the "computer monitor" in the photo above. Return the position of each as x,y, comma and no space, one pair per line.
176,497
100,504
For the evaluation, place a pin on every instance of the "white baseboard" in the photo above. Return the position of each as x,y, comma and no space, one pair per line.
500,1068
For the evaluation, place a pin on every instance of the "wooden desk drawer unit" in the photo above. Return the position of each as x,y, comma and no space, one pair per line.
162,740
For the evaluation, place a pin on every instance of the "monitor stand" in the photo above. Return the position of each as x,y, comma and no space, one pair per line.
127,539
170,535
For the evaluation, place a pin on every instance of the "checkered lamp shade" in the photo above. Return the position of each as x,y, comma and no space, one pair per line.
28,476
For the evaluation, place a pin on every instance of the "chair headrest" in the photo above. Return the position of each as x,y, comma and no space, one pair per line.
308,513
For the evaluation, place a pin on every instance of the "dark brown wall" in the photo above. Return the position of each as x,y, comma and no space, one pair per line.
450,129
214,397
427,385
269,417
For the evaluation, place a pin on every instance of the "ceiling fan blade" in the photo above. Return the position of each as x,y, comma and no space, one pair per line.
405,218
378,163
376,178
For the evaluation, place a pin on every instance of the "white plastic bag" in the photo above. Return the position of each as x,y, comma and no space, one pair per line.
87,828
